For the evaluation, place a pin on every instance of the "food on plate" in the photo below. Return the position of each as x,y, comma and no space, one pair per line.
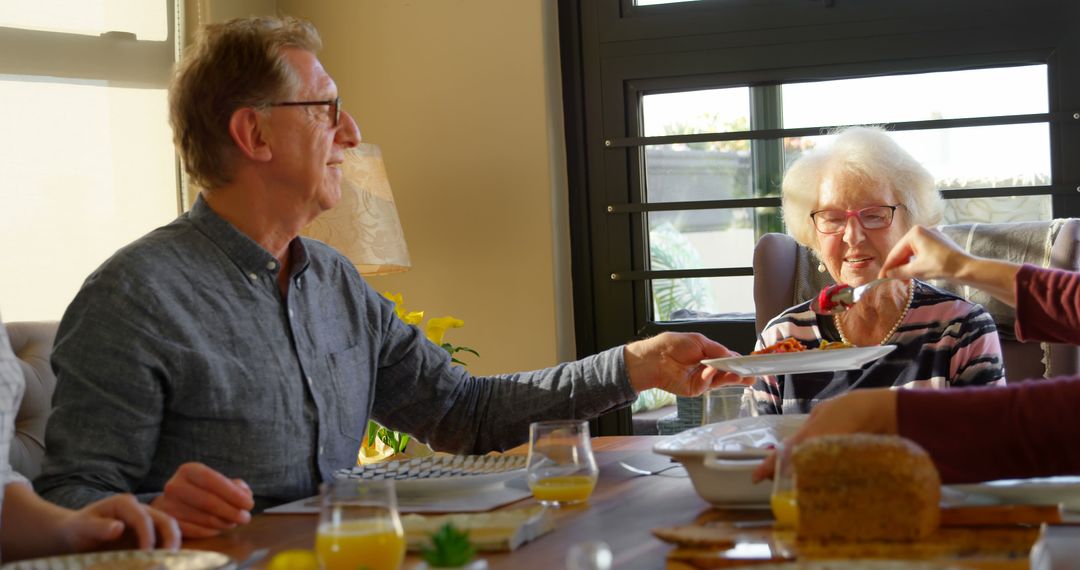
696,536
826,299
834,345
863,487
787,345
128,565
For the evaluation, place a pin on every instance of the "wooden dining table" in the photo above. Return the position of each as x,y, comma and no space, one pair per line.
622,512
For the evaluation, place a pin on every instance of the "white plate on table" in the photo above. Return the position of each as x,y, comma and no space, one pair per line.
119,559
1035,491
441,474
803,362
721,457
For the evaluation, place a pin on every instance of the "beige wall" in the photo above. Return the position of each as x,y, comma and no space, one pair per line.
463,98
202,11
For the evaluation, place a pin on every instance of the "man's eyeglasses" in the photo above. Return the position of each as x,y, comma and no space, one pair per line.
335,106
835,221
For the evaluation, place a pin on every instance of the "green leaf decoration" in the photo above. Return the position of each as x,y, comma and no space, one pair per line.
372,432
450,548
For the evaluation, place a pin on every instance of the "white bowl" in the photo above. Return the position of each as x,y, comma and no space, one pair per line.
721,457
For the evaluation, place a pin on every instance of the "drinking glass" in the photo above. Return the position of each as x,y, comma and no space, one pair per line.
359,526
784,503
724,403
561,467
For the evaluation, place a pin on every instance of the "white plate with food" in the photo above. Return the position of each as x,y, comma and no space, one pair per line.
129,559
1035,491
441,474
803,362
721,457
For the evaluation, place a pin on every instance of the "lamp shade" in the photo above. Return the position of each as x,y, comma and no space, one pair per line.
364,225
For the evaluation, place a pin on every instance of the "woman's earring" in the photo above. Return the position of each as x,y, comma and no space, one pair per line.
820,267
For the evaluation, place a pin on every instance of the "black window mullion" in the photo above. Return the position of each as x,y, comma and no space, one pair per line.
1064,93
639,223
1068,116
766,112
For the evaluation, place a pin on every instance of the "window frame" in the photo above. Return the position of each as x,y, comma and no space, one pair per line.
118,58
612,52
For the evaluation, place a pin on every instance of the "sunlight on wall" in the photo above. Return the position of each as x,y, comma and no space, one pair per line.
85,172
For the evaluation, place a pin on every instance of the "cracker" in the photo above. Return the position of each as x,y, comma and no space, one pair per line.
695,535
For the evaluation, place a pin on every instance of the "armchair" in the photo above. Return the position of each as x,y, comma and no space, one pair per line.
32,343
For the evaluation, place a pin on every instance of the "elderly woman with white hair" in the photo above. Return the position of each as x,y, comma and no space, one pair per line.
850,202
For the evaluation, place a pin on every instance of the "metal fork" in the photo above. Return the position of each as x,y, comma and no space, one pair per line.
641,471
843,297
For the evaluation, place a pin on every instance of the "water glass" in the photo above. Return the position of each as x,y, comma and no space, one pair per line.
359,526
724,403
784,502
561,466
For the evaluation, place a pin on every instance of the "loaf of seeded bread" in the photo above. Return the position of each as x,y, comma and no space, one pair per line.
863,487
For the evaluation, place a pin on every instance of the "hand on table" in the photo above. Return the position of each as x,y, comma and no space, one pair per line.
204,501
102,525
858,411
672,362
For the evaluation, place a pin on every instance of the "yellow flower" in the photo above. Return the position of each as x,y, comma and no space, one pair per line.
396,299
436,328
409,317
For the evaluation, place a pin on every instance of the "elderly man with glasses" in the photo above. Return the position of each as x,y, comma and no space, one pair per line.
850,202
223,364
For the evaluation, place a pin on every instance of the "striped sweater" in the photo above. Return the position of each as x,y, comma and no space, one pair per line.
943,341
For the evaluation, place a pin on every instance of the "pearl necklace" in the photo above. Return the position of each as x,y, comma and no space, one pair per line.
896,325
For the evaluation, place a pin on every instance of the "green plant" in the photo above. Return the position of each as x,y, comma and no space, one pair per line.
669,249
450,548
395,440
435,330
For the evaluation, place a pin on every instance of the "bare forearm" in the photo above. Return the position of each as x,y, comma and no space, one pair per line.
31,524
996,277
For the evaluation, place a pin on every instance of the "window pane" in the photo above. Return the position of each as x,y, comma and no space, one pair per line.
87,169
944,95
675,173
705,239
695,112
710,298
1004,209
696,239
978,157
144,18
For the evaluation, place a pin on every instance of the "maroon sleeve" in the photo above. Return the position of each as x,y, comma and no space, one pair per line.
1047,305
1029,429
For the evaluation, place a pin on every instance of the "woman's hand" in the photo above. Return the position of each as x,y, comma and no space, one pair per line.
858,411
926,253
115,521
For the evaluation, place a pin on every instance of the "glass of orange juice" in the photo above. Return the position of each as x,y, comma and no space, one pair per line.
359,526
783,501
561,467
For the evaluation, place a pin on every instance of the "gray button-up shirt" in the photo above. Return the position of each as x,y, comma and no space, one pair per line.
180,348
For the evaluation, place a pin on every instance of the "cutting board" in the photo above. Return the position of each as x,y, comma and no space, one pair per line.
987,534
